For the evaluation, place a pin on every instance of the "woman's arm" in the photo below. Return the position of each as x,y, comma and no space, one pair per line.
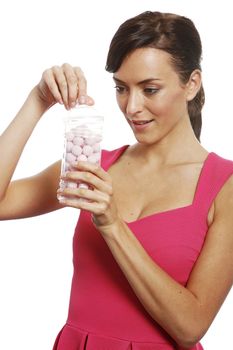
37,194
14,138
32,196
184,312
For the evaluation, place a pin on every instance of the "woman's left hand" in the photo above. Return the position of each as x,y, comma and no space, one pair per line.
98,198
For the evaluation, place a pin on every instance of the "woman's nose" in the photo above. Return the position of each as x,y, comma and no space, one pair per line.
134,104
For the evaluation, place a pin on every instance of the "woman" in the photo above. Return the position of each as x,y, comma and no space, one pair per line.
153,245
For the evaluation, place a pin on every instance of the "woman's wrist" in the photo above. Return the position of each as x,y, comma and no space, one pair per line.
37,106
112,230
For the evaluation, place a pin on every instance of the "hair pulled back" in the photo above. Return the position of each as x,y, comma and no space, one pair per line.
177,35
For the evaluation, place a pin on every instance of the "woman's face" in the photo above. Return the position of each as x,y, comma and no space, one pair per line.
150,94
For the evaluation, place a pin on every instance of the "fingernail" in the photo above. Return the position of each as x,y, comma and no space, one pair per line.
90,101
82,99
73,104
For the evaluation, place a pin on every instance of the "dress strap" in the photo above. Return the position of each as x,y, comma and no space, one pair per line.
215,172
109,157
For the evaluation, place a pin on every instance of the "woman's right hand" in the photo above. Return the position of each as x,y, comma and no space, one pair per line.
64,84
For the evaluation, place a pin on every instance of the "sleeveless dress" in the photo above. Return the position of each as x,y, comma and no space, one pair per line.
104,313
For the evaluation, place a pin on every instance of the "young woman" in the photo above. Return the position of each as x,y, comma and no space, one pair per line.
153,246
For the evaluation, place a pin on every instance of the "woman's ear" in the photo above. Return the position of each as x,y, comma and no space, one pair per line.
193,85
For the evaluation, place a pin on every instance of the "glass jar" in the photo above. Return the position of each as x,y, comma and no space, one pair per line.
82,140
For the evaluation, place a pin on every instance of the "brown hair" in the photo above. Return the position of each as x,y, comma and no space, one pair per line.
172,33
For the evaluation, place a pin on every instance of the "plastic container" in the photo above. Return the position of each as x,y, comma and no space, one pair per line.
82,140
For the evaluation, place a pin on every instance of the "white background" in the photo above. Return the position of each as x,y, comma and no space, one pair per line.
36,254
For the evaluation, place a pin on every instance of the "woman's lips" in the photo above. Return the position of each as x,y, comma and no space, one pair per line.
140,124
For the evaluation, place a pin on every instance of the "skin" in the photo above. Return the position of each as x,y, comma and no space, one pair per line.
147,88
167,144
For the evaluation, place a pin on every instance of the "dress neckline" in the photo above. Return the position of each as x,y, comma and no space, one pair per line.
173,210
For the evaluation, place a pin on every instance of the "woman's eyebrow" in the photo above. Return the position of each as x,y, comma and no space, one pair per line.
118,80
149,80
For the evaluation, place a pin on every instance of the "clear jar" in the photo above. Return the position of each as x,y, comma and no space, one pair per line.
82,140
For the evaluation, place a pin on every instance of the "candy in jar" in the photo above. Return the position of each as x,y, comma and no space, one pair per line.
82,140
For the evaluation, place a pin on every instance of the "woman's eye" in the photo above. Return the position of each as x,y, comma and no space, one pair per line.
120,89
150,91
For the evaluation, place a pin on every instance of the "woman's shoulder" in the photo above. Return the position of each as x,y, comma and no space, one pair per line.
221,164
222,173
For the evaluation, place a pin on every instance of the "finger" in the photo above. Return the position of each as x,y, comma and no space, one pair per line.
90,101
91,179
82,97
72,84
80,196
49,80
92,207
60,79
94,169
84,193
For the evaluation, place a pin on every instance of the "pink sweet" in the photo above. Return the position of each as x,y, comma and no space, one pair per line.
76,150
82,158
91,140
94,158
78,141
71,184
70,158
82,185
87,150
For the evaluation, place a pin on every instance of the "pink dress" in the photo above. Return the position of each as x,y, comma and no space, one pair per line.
104,312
